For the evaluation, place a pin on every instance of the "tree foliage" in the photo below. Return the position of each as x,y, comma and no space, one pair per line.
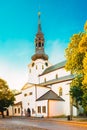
76,55
6,96
76,91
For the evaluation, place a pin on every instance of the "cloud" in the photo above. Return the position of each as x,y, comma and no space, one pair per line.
16,54
14,57
15,78
55,49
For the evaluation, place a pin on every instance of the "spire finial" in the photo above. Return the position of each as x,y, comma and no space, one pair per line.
39,13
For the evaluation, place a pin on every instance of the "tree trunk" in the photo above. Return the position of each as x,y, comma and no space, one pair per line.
2,114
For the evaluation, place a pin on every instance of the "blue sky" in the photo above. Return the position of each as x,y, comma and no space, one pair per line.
60,19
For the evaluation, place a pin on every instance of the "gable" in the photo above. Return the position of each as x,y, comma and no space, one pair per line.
50,95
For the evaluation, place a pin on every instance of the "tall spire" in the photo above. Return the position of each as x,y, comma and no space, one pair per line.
39,43
39,23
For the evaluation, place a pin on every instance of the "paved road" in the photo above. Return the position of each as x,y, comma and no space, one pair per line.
38,124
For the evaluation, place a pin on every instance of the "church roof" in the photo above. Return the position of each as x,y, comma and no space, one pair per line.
39,56
50,95
61,79
27,85
54,67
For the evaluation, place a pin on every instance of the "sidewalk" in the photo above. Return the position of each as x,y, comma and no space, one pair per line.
74,121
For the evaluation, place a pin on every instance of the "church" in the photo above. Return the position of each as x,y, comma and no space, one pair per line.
46,94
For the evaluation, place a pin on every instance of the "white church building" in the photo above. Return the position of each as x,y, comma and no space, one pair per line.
46,94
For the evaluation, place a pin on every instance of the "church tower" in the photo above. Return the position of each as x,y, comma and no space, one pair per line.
39,60
39,44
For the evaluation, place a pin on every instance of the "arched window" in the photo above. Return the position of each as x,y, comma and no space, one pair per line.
56,76
33,64
39,44
42,44
46,63
60,91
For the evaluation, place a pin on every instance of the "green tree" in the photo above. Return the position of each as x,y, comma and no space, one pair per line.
6,96
76,91
84,87
76,55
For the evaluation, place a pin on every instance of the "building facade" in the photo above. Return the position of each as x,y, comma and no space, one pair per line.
46,94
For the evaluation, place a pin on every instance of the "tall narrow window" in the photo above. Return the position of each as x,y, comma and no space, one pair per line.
18,110
36,44
42,67
39,109
42,44
44,109
15,110
33,64
36,67
45,80
56,76
33,111
60,91
39,44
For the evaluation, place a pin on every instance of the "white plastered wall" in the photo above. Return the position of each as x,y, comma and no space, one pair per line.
52,75
55,108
